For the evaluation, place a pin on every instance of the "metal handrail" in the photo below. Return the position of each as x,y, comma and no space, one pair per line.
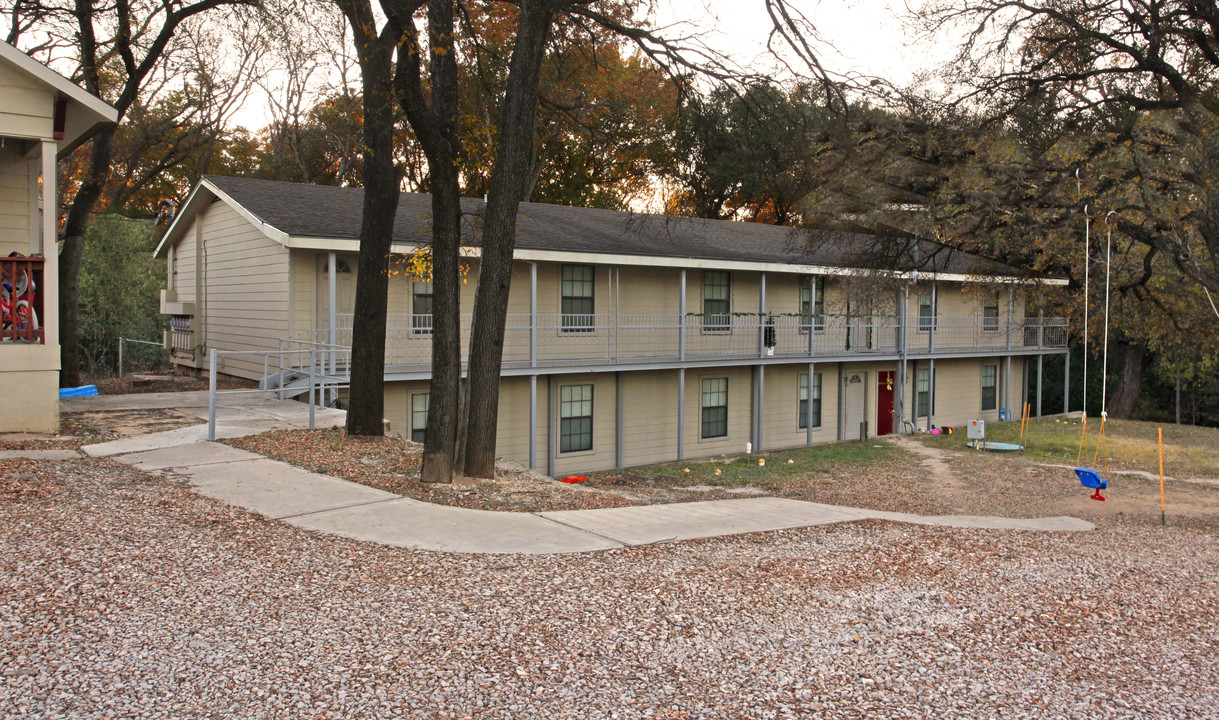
314,384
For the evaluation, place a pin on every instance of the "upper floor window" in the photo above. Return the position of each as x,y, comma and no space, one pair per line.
577,298
990,382
926,308
714,404
806,398
990,311
812,302
717,293
421,318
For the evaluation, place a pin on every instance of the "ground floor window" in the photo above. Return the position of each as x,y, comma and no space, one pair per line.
805,399
419,408
575,418
990,382
715,408
922,390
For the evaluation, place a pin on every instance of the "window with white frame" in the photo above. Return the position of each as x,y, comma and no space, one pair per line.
990,311
577,304
575,418
812,302
805,400
420,402
926,309
421,299
717,294
923,405
714,404
990,384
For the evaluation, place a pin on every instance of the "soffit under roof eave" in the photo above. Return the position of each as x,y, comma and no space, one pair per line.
88,101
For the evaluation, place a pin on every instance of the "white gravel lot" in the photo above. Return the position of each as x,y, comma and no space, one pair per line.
123,596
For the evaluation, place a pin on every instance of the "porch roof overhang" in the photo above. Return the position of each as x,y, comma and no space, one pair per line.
85,114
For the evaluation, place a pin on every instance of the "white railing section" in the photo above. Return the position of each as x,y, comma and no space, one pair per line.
555,339
325,368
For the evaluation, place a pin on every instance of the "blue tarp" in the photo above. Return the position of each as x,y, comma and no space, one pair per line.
82,391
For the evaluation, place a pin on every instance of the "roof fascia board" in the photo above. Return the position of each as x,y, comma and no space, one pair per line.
171,234
90,102
350,245
199,199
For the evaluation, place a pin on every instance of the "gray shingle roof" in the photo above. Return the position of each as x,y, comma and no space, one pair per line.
334,212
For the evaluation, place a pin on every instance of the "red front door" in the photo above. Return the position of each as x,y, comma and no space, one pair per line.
884,403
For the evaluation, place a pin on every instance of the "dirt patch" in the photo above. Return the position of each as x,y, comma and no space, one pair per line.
116,424
392,464
156,382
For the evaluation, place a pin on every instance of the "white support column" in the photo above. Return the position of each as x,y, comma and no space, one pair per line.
618,419
761,314
550,425
842,395
533,314
50,248
930,394
332,295
1007,387
759,406
533,422
681,340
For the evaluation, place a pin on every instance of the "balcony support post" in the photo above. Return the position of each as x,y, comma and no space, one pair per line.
681,407
759,405
1039,376
332,263
533,422
1066,382
1006,403
761,314
935,315
842,408
533,315
903,365
681,340
50,250
550,429
930,393
618,420
1040,329
1010,320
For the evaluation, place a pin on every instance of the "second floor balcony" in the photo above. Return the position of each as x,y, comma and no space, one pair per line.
566,340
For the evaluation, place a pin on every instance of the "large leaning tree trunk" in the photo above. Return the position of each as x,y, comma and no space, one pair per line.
509,178
138,41
1131,362
435,126
366,412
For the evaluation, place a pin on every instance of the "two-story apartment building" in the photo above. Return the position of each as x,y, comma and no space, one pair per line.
631,339
43,117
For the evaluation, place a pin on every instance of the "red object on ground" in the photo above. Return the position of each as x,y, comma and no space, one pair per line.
573,479
1097,496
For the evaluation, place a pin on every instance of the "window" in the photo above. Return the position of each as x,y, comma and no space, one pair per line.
926,309
990,375
420,402
577,302
990,312
421,318
575,418
804,399
922,393
715,408
717,289
812,302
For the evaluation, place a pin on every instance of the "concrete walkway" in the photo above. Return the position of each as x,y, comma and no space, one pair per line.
331,505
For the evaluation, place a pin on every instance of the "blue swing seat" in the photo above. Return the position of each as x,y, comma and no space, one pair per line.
1089,479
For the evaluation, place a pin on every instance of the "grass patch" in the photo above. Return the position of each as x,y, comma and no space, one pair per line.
779,468
1189,451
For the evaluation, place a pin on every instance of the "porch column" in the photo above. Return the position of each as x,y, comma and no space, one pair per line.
618,419
1006,400
808,409
49,247
761,314
533,422
533,314
759,405
681,339
550,430
1066,382
333,295
930,394
1039,376
681,408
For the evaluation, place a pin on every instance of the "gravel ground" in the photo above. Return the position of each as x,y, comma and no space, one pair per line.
126,596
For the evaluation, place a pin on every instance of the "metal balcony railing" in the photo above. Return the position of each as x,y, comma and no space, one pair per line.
559,340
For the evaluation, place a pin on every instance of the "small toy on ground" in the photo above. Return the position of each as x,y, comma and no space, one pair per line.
573,479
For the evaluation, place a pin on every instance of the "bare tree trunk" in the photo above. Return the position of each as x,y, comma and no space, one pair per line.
73,253
508,179
367,411
1132,362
